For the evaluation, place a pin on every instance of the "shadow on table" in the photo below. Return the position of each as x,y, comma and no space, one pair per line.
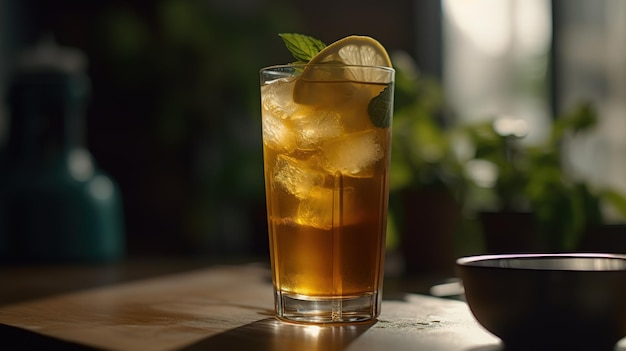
618,347
488,348
271,334
18,339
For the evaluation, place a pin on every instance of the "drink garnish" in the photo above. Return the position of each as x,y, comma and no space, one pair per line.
379,109
352,50
302,47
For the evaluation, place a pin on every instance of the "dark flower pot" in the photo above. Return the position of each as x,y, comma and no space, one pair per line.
605,238
430,219
510,232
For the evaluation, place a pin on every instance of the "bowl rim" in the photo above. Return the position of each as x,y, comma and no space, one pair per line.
475,260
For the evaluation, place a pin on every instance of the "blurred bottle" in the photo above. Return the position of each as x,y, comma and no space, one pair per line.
55,205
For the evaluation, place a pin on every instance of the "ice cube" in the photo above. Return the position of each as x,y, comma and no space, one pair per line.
325,207
277,98
316,210
353,154
276,133
297,177
315,126
276,107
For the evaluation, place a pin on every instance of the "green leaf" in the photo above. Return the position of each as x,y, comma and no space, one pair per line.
616,200
302,47
379,108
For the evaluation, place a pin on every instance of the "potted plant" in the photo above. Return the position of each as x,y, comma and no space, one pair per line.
498,174
539,205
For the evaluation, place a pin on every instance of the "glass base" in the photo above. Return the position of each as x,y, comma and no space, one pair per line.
327,310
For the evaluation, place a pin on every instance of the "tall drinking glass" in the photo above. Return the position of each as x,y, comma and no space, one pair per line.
326,150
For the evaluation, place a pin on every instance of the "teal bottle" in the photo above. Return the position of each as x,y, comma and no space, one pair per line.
55,204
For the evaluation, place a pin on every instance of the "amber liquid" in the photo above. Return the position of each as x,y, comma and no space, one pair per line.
327,240
343,260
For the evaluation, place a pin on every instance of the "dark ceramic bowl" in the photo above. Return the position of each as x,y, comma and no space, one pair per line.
548,301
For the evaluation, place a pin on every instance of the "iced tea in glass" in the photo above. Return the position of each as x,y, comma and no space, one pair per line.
326,149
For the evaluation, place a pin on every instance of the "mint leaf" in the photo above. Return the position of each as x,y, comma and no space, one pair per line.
379,108
302,47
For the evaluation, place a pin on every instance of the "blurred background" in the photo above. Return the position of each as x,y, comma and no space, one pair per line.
504,108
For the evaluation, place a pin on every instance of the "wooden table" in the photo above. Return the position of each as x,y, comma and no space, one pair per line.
223,307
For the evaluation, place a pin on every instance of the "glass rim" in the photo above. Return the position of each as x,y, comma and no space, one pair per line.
325,64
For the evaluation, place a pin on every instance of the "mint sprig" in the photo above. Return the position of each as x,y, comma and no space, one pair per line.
379,108
302,47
